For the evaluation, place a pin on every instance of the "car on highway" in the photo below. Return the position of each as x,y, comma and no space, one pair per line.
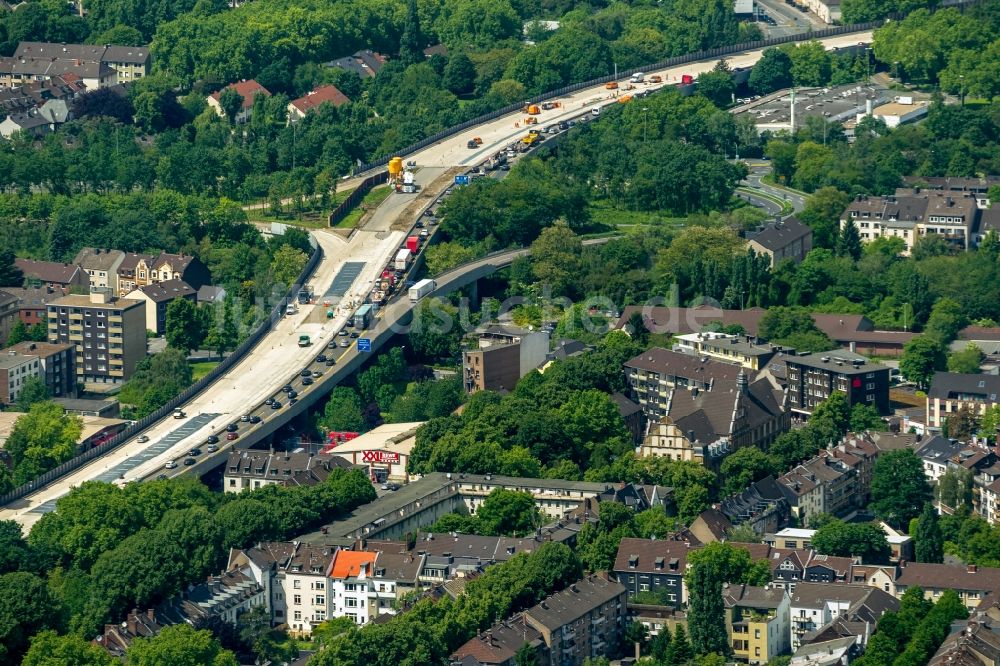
286,388
232,427
321,358
304,373
232,435
292,401
330,361
343,332
212,448
189,461
245,418
292,394
143,439
275,405
194,452
332,344
269,401
254,419
161,477
419,224
212,439
306,381
345,343
354,335
317,374
179,414
171,464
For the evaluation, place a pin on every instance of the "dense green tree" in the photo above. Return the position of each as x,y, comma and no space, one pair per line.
899,487
848,242
507,512
865,417
179,645
10,274
745,466
459,74
929,543
968,360
231,103
717,84
706,611
822,213
26,607
772,72
41,439
841,539
33,391
185,328
50,649
343,411
922,357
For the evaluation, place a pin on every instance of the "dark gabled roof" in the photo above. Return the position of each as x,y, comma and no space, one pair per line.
575,601
97,259
710,413
948,577
652,556
939,449
131,261
752,596
778,235
167,290
839,565
953,386
716,522
689,366
48,271
809,595
498,644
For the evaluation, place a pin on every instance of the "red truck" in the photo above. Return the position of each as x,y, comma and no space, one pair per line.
413,243
686,79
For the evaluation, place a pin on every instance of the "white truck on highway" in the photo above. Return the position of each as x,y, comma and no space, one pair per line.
421,289
638,77
403,257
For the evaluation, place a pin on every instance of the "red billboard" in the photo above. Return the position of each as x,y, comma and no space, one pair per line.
379,457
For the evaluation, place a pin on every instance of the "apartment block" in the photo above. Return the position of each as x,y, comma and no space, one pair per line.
972,583
15,371
249,470
109,334
31,302
911,214
952,392
58,365
653,374
98,66
783,240
584,621
757,621
653,568
739,349
503,355
812,378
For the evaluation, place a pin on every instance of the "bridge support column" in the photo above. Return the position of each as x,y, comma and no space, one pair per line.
473,291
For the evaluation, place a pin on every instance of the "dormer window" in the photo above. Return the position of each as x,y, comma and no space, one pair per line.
633,561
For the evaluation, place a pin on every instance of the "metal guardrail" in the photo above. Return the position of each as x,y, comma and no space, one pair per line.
355,197
670,62
190,392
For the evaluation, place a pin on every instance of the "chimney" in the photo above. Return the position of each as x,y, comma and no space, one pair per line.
132,623
741,382
972,568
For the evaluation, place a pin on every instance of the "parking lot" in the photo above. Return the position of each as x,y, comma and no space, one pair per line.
836,104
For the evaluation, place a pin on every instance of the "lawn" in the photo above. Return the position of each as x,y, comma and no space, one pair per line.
310,218
202,368
603,213
371,201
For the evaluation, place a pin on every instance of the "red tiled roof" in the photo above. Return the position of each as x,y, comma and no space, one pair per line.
247,90
323,94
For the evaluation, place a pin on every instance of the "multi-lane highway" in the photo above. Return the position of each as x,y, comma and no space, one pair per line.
356,261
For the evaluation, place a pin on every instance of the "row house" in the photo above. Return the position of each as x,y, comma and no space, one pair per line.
56,365
250,470
972,583
580,623
141,270
653,568
911,214
763,507
57,276
96,65
952,392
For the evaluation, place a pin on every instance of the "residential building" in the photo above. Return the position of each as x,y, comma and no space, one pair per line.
936,453
762,507
977,185
738,349
395,575
970,582
365,63
951,392
653,567
97,66
583,621
101,265
303,576
711,424
248,90
632,414
31,122
812,378
828,652
503,355
783,239
815,605
52,274
500,644
190,269
15,371
9,314
31,302
57,365
133,272
250,470
38,94
756,621
328,94
653,374
972,643
109,334
158,297
911,214
350,576
823,484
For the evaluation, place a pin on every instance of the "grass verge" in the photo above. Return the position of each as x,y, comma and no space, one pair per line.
202,368
370,201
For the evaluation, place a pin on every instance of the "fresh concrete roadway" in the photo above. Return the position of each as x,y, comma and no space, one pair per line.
261,373
499,133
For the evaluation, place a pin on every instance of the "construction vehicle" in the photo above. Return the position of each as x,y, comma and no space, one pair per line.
532,110
624,98
656,78
611,85
548,106
530,120
686,79
531,138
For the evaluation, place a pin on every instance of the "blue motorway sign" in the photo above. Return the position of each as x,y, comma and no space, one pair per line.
461,180
364,344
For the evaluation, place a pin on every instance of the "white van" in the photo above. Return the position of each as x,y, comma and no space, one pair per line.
290,309
596,111
638,77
